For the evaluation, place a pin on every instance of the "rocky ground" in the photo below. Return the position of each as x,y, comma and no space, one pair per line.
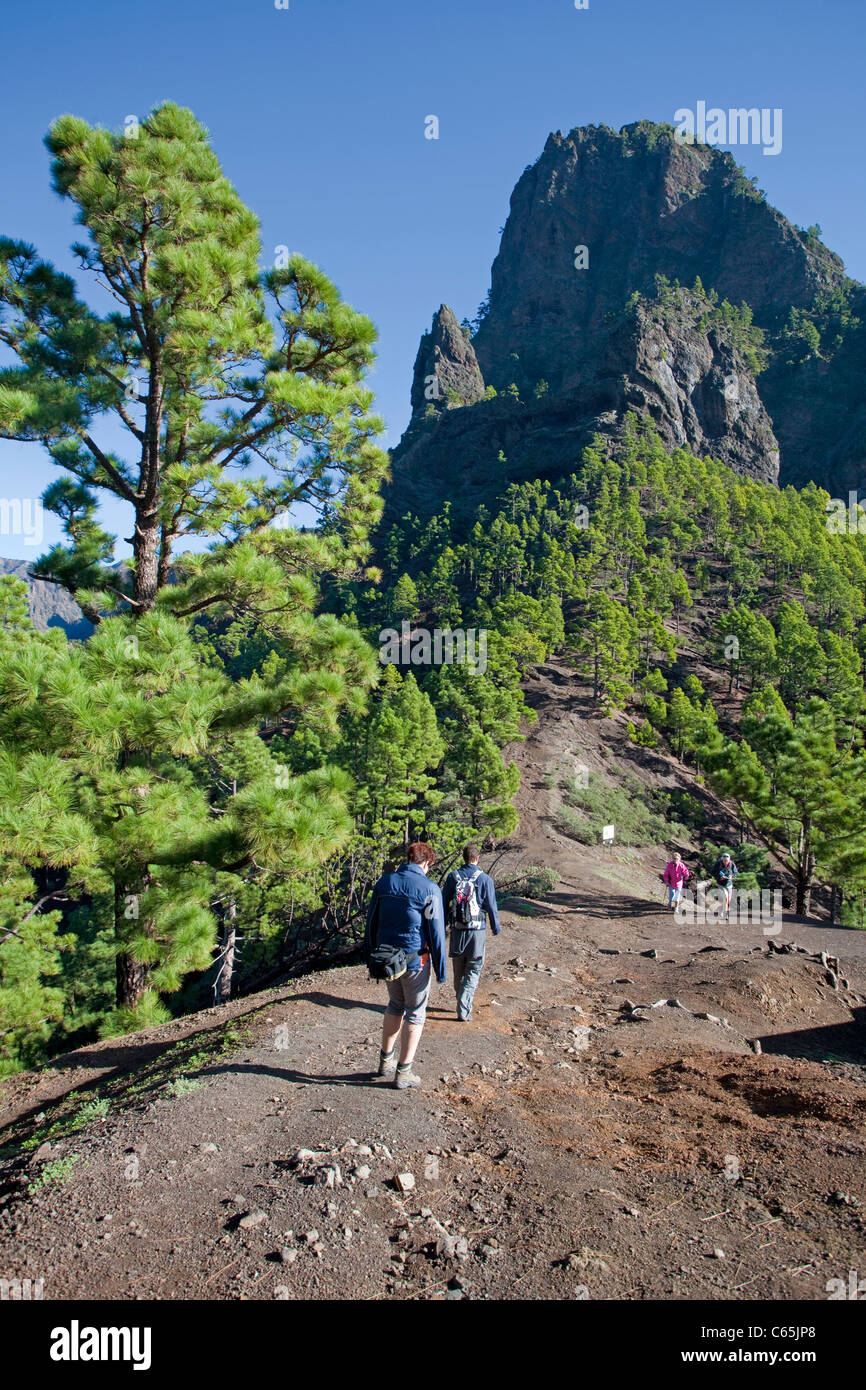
564,1145
640,1108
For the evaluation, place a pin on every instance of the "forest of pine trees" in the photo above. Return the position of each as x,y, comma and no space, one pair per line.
204,791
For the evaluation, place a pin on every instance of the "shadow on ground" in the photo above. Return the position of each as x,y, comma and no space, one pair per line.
837,1042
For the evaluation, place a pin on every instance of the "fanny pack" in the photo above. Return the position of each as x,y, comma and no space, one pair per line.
387,963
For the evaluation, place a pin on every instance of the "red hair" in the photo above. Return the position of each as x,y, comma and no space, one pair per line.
420,852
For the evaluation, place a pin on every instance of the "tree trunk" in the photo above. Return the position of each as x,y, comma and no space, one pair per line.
145,584
130,981
228,937
805,877
805,868
131,976
835,904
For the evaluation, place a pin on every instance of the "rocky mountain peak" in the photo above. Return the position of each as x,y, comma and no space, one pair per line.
446,367
636,273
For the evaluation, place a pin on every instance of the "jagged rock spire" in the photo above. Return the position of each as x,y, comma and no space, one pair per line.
446,368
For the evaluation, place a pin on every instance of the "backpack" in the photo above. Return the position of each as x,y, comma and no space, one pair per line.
465,908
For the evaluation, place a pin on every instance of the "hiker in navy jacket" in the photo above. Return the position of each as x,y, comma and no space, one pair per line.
724,872
470,895
406,911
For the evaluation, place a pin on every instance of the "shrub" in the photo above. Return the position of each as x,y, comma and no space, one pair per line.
182,1086
644,735
530,881
687,808
639,813
55,1172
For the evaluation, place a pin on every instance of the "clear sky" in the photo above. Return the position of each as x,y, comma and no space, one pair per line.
317,113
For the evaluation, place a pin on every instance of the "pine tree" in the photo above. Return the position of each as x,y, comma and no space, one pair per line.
801,788
206,365
130,735
391,752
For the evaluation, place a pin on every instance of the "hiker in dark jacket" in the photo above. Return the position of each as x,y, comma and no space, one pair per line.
406,911
724,873
470,898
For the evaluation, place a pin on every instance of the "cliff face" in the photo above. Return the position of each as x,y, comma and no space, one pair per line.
589,317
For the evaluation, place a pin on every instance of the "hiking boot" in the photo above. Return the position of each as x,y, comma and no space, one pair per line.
387,1063
405,1078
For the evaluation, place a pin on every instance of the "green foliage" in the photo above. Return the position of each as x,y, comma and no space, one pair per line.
644,735
529,881
686,808
182,1086
207,364
746,186
742,332
639,814
13,602
133,774
821,329
54,1173
751,860
481,313
801,782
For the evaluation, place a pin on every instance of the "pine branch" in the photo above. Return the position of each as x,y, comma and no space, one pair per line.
61,898
102,459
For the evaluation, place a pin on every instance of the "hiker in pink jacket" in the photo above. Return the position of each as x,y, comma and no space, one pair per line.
675,875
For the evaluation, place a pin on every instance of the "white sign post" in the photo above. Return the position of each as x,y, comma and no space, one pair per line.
607,835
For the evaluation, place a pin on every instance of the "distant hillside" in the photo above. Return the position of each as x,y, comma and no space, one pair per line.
50,606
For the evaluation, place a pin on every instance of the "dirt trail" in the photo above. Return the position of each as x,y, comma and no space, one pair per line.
566,1144
557,1147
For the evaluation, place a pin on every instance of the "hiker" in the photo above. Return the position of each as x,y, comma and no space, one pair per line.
675,875
724,873
404,944
470,898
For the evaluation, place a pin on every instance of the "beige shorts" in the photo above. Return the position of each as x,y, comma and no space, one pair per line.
408,996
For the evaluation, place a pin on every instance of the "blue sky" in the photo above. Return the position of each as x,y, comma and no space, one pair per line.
317,114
